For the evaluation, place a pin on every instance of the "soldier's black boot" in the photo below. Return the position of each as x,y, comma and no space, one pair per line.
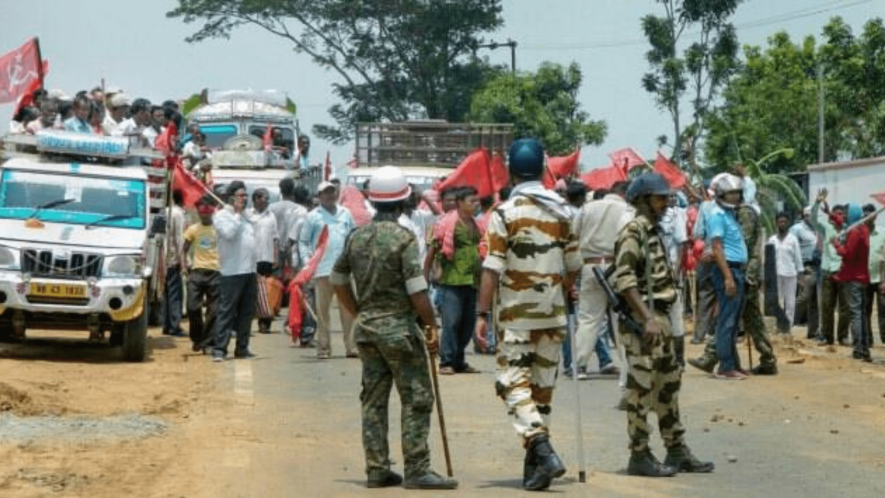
681,459
765,369
679,350
643,463
383,479
548,466
703,362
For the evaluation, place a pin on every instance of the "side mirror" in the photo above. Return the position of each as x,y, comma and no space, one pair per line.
158,225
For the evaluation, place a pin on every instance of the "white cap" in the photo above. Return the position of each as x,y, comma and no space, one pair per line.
325,186
120,100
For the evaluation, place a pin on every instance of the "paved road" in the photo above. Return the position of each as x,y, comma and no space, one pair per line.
815,430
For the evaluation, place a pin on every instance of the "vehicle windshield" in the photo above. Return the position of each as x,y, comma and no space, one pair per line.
217,134
92,198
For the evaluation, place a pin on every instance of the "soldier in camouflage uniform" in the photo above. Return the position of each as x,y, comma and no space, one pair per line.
389,293
754,327
645,280
532,259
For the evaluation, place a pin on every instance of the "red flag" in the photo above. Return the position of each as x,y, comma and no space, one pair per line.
18,69
564,166
310,267
191,188
475,171
267,139
353,200
327,167
669,171
603,178
354,162
626,159
880,197
165,142
500,175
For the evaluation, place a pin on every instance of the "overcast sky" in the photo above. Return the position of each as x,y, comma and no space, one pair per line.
132,45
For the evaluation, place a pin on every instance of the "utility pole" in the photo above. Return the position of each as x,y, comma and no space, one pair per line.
509,43
820,113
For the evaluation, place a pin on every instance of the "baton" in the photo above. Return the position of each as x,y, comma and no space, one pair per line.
439,411
582,472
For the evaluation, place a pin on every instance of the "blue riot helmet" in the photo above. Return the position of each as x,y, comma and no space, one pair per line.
526,158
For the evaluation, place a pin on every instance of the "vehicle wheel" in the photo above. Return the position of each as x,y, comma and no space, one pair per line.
117,333
134,340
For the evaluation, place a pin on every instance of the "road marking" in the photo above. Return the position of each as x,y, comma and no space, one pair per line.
236,455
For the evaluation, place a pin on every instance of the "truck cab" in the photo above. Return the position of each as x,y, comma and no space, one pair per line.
234,123
79,244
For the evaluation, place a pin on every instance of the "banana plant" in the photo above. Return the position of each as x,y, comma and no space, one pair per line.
771,186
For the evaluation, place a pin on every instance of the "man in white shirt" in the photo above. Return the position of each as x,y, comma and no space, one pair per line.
152,131
596,227
140,117
118,106
675,237
239,286
789,265
267,245
172,302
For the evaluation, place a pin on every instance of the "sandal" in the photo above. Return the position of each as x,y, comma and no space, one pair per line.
446,371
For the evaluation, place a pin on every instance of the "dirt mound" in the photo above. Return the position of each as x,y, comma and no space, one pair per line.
14,401
36,401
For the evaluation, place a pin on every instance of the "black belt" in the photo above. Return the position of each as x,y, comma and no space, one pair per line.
736,266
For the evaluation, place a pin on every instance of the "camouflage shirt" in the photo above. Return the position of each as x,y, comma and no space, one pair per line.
382,259
631,263
532,248
752,230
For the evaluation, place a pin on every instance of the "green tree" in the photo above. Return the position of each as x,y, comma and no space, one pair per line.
698,72
772,102
770,105
771,187
543,104
396,60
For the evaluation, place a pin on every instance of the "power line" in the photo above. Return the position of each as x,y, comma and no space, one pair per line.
779,18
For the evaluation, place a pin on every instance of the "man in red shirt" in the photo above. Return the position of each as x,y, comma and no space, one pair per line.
854,275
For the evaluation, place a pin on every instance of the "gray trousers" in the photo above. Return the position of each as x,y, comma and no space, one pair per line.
236,307
705,308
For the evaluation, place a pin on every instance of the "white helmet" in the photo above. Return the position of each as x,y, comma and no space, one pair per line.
724,183
388,185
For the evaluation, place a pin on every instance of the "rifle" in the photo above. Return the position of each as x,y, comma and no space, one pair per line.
616,304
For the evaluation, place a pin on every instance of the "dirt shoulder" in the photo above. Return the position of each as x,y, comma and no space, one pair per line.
77,421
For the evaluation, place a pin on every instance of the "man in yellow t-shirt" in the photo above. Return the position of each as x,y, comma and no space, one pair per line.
204,274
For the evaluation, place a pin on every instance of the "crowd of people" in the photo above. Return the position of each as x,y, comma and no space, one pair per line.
513,273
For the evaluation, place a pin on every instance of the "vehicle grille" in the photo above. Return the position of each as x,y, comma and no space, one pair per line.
75,265
79,301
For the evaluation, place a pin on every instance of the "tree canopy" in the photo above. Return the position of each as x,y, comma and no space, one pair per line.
772,102
542,105
396,60
698,72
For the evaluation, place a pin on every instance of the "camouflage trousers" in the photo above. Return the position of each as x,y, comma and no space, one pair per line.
653,381
395,359
754,327
528,362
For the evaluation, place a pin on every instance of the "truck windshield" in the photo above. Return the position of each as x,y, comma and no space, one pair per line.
90,198
217,134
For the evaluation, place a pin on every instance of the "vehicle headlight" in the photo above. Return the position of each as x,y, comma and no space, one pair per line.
9,259
122,266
